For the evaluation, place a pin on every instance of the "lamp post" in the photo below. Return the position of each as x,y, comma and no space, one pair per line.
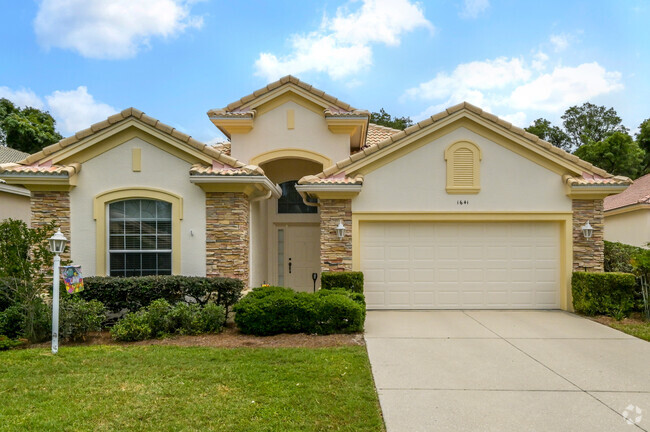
57,246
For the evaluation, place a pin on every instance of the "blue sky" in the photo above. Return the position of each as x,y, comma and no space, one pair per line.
175,59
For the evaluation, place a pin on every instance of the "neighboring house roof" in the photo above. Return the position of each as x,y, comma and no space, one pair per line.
591,175
637,193
8,155
378,133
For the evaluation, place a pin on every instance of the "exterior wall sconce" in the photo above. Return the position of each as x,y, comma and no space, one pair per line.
340,230
587,230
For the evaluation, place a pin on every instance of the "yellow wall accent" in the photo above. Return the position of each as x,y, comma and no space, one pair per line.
291,119
136,161
564,219
463,168
234,125
99,214
295,153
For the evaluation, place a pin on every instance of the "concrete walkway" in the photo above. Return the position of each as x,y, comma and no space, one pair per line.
506,371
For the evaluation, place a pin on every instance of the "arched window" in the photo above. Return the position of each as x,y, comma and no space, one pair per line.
140,237
463,168
291,201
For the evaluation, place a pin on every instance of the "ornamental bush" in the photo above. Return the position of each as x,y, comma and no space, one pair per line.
274,310
350,280
78,317
619,257
133,293
609,294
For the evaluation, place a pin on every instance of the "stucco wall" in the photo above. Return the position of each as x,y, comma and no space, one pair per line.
14,206
270,133
258,252
160,170
631,228
416,182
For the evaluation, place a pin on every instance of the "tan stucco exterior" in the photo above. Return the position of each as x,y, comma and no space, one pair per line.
14,206
632,228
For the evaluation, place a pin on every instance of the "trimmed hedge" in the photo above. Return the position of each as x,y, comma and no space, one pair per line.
603,293
274,310
350,280
619,257
134,293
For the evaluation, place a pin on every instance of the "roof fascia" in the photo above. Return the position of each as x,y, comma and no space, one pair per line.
627,209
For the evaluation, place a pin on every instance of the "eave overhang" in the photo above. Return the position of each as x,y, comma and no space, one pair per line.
329,191
252,186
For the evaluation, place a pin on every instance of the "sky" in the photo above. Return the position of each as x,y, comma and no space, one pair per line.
83,60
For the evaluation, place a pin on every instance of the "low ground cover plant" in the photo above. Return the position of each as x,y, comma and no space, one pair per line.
611,294
161,319
274,310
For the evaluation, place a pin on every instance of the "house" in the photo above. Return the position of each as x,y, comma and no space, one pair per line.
461,210
14,200
627,215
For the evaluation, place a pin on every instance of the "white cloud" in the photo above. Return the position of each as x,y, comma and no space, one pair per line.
110,29
566,86
23,98
560,42
75,110
343,45
473,8
517,119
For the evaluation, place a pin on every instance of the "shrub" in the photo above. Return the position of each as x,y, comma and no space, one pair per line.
133,293
273,310
12,322
77,317
158,317
211,318
359,298
6,343
133,327
351,281
619,257
603,293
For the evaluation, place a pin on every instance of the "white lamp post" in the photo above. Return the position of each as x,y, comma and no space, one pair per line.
57,246
340,230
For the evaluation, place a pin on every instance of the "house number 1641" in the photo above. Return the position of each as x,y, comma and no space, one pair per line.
462,202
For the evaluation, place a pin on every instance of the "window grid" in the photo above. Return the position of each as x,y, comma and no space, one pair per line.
291,201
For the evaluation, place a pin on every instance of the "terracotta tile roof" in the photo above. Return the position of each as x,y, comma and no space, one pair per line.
223,147
337,112
239,107
333,180
139,115
378,133
7,155
217,169
593,179
45,169
394,138
637,193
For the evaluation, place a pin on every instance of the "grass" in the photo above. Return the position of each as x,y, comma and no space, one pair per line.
166,388
638,329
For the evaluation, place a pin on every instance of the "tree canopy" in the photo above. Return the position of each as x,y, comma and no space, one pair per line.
591,123
384,119
553,134
27,129
617,154
643,140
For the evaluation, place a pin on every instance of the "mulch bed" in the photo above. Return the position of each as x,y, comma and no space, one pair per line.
635,318
229,338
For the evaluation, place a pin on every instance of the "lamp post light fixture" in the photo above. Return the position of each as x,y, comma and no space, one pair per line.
587,230
340,230
57,246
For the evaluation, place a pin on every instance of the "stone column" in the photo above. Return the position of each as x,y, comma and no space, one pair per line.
588,254
227,235
335,254
52,206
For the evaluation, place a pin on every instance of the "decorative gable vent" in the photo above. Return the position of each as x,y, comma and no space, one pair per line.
463,168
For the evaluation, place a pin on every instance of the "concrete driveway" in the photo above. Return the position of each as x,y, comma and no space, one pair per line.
506,371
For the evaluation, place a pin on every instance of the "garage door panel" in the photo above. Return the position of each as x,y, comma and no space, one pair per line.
461,265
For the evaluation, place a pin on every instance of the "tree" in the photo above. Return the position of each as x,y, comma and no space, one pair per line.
591,123
617,154
28,129
553,134
384,119
643,140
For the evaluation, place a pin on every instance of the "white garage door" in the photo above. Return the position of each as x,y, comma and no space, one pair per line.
423,265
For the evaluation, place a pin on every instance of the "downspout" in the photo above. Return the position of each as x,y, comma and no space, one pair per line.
303,195
262,197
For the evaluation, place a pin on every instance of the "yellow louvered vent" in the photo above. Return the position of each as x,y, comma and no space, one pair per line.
463,168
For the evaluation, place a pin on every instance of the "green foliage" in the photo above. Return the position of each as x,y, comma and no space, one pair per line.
133,293
6,343
78,317
161,319
609,294
384,119
274,310
591,123
643,140
28,129
616,154
619,257
12,322
350,280
553,134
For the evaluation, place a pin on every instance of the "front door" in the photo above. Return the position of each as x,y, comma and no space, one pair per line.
299,256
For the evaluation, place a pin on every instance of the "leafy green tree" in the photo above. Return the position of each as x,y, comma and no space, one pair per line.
643,140
591,123
384,119
617,154
553,134
28,129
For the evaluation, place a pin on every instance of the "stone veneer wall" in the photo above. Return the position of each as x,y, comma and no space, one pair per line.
227,236
52,206
335,254
588,254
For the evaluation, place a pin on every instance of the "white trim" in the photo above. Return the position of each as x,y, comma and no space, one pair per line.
263,180
15,190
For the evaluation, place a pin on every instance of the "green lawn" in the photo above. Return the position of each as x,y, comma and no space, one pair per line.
165,388
638,329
